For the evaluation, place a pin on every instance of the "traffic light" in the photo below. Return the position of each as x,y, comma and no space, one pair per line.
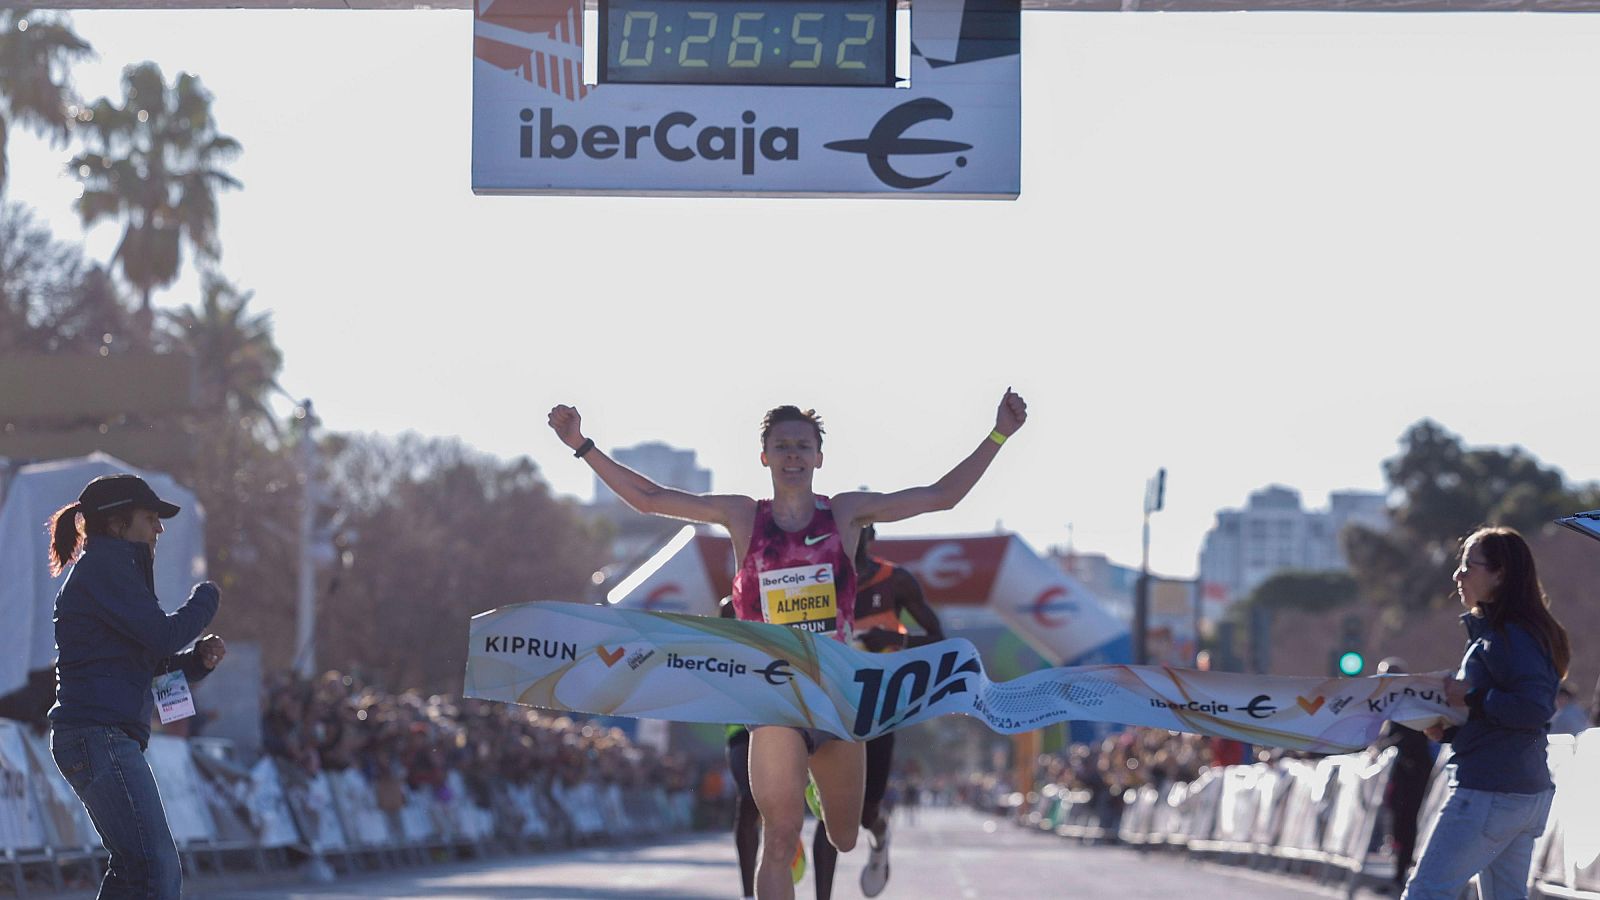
1347,657
1350,663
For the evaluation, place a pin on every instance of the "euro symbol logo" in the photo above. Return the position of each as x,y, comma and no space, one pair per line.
777,672
887,139
1258,707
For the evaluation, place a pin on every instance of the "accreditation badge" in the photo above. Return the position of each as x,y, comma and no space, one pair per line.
173,700
803,597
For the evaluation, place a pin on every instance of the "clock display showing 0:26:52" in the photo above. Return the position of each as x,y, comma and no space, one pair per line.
748,42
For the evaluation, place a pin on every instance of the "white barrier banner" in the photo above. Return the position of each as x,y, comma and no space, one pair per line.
188,814
594,659
357,804
1574,806
20,825
269,808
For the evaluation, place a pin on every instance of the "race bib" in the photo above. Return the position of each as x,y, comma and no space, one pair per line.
173,700
803,597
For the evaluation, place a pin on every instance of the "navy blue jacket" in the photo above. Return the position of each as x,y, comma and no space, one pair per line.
112,639
1511,697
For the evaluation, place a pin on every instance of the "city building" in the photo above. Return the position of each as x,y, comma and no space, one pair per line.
1274,532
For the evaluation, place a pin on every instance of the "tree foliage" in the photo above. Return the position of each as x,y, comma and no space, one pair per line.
155,161
236,359
1441,492
36,50
431,531
51,299
438,533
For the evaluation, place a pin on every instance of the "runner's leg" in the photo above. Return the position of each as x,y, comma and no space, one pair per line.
746,818
778,780
840,771
880,759
824,857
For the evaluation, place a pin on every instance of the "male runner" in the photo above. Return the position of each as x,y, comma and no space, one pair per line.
883,592
796,569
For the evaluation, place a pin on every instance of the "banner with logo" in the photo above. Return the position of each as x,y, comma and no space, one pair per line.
606,661
952,130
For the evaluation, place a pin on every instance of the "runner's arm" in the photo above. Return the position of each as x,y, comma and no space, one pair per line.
866,508
639,492
914,603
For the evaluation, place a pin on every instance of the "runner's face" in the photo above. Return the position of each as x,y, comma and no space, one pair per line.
792,454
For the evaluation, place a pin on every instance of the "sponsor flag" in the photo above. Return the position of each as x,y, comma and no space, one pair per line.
620,662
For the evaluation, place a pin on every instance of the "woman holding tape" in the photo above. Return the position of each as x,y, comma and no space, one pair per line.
113,640
797,532
1500,787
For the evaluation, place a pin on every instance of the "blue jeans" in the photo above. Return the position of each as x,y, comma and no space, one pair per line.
1484,833
108,772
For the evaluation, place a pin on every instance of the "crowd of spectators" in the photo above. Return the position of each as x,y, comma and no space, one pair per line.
337,722
1120,763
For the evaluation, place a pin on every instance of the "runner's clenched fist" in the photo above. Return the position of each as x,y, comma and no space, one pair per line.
567,424
1012,413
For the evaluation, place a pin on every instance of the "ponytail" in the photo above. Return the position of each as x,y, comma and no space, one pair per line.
66,537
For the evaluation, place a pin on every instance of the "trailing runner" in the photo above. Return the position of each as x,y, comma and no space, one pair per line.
883,592
795,552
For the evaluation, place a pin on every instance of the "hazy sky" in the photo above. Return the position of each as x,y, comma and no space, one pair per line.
1252,248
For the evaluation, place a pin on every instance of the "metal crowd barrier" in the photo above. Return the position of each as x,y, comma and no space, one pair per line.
1321,816
274,814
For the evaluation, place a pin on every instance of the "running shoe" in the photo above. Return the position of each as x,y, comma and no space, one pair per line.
876,874
797,868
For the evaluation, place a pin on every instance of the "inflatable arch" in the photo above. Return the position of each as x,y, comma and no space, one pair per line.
1045,607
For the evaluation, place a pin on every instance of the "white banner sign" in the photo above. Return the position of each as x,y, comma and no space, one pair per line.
594,659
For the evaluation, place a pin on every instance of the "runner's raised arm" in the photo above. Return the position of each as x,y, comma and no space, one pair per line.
865,508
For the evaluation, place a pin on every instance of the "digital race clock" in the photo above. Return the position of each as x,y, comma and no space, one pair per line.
748,42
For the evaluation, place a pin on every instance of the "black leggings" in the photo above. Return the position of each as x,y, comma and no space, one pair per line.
880,758
746,818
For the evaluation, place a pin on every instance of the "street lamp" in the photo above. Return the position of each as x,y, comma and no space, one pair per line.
1155,493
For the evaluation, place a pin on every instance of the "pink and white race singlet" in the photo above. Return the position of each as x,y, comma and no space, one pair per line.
802,579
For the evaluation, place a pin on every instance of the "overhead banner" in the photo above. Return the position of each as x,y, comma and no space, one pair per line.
594,659
1044,606
747,97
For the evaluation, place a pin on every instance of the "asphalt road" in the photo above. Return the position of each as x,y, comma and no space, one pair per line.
955,854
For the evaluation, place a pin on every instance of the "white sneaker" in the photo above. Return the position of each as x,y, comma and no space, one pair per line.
876,874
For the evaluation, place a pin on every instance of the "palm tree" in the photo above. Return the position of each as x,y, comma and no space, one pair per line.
35,50
236,359
155,161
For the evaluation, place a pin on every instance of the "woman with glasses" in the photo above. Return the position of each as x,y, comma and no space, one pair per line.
1500,787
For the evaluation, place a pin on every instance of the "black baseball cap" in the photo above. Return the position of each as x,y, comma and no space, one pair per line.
109,492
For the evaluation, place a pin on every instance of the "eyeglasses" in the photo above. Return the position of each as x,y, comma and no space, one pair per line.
1469,562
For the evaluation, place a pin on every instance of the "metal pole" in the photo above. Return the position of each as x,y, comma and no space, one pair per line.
1199,597
1155,497
1141,602
305,647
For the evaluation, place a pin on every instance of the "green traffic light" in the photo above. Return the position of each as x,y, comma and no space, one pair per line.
1351,663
